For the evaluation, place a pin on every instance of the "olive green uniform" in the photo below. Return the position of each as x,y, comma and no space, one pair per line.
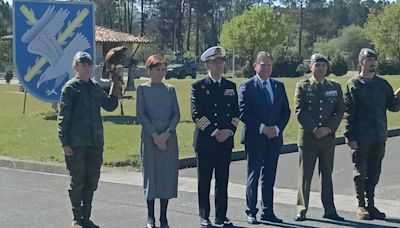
80,127
317,105
367,101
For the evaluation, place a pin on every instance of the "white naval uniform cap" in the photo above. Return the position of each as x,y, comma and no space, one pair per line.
212,53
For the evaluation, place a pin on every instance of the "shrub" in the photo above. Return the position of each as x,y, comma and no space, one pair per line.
248,70
386,67
287,65
9,75
338,66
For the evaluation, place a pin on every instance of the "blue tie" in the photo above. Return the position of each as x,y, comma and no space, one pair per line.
267,95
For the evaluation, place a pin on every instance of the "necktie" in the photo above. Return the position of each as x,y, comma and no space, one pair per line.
267,95
320,87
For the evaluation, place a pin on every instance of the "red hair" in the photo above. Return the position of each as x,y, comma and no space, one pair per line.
155,61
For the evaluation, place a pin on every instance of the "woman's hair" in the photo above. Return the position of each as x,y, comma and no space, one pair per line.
155,61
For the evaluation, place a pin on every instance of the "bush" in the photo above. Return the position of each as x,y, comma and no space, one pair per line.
338,66
386,67
9,75
287,66
248,70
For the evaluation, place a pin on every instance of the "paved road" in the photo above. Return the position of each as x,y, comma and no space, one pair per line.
388,188
34,199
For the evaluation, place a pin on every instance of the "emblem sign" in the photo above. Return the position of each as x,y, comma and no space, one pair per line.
47,34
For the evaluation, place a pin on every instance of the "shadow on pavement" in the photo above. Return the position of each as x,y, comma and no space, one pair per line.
393,220
286,225
348,223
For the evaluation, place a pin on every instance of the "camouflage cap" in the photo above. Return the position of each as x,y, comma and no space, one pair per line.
365,53
317,57
83,57
212,53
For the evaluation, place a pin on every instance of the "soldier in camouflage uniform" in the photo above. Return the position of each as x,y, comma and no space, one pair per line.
367,97
80,129
319,108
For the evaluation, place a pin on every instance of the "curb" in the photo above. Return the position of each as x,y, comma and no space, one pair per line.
190,162
56,168
288,148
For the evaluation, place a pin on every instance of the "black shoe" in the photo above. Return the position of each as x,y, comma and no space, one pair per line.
164,225
270,217
333,216
89,224
300,217
205,222
251,219
223,222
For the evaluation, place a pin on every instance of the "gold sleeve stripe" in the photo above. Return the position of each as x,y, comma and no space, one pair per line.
235,121
202,123
204,126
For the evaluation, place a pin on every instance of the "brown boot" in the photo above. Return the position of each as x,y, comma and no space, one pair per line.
363,214
76,224
375,213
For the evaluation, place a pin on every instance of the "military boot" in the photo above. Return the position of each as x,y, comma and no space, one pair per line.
77,220
76,224
87,223
375,213
363,214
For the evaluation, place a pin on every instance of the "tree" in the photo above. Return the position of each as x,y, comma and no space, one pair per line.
383,29
5,18
255,30
347,45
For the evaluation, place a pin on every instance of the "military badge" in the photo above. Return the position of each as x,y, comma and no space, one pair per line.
331,93
229,92
217,51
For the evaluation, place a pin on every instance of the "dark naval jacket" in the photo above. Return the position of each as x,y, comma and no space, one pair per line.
367,101
79,119
214,107
318,107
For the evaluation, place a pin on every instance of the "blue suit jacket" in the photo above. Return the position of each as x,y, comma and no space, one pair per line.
254,109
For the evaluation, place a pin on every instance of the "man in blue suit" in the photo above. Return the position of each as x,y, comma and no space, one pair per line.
264,110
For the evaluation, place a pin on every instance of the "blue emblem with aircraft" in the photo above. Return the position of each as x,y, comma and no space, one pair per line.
46,37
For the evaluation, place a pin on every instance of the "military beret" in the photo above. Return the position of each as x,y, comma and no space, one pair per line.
365,53
83,57
319,58
212,53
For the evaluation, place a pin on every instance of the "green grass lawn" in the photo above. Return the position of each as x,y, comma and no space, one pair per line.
33,136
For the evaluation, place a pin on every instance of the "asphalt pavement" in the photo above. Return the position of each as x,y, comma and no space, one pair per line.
38,199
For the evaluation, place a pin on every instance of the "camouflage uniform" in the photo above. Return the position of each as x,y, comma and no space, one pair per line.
80,127
366,103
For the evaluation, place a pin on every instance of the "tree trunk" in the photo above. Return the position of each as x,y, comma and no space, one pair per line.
301,26
189,26
197,34
125,18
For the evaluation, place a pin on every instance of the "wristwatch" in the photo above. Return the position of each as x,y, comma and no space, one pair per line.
170,130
